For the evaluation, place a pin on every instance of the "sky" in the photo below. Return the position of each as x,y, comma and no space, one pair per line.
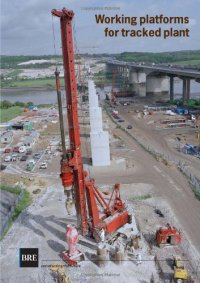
26,26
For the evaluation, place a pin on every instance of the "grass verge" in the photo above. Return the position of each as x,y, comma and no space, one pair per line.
143,197
10,113
44,105
196,193
24,202
46,82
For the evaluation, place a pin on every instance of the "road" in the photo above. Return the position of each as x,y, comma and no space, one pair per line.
161,69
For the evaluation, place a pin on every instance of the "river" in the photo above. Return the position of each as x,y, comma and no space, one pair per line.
50,97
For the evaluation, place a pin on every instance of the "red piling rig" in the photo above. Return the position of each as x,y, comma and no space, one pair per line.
113,213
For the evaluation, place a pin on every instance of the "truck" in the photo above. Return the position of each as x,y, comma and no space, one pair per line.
19,148
30,165
180,273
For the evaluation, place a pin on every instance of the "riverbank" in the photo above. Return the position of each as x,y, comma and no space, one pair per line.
47,95
31,83
20,89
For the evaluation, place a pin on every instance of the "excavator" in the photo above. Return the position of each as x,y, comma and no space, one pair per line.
94,213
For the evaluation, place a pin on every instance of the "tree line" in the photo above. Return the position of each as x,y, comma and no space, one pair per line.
5,104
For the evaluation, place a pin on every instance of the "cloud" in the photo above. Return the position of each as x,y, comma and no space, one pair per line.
192,22
26,25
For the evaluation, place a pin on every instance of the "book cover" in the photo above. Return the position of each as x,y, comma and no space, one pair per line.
100,141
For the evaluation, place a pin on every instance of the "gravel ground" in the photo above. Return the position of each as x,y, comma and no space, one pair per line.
42,226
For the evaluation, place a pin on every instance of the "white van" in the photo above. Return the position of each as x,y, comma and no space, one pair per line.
7,158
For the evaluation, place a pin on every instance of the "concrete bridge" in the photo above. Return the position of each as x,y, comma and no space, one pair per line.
145,79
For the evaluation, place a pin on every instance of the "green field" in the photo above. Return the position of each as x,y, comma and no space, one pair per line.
47,83
189,62
183,57
10,78
13,62
23,203
10,113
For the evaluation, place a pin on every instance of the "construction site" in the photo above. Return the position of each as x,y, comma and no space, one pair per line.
113,176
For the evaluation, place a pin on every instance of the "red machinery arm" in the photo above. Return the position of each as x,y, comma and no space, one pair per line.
113,99
71,164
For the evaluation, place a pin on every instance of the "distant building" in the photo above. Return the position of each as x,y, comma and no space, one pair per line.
27,126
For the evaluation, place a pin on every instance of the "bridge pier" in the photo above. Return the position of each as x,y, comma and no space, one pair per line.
137,81
157,84
171,88
186,89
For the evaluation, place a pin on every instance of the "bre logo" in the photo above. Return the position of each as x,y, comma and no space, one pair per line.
28,257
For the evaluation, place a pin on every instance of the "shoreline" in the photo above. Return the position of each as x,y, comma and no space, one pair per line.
20,89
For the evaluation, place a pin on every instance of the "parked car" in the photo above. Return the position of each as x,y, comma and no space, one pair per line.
30,165
43,165
37,155
29,152
7,150
120,120
24,158
15,155
7,158
13,158
129,127
2,167
16,149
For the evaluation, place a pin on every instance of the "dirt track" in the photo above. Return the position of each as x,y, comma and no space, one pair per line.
157,140
168,183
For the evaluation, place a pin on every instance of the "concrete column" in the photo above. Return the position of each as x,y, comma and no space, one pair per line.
171,88
137,82
186,89
99,139
109,70
157,84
